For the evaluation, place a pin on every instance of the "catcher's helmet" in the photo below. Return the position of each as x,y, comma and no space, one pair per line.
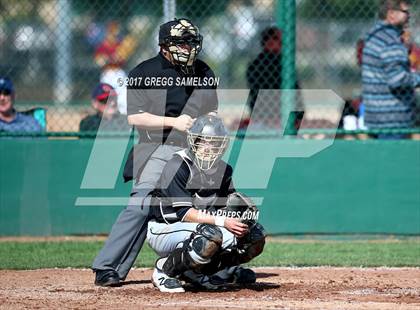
207,140
183,40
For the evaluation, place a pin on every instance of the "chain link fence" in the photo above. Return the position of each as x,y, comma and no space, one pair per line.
56,51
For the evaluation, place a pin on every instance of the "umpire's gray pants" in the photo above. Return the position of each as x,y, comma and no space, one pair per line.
129,231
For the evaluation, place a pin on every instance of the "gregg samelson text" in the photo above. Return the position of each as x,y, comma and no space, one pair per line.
161,81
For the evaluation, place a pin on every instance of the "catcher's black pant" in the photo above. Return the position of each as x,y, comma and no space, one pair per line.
129,231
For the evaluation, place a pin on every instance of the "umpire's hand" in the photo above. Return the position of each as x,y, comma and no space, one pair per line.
183,122
236,227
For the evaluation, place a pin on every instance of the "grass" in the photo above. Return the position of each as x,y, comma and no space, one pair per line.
80,254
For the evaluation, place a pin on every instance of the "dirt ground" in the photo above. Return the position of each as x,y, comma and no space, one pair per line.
276,288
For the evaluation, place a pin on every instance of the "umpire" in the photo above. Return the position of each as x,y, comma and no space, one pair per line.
162,106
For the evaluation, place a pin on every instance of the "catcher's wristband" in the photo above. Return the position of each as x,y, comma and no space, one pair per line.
219,221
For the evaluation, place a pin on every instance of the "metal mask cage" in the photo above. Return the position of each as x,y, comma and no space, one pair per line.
192,40
184,59
207,150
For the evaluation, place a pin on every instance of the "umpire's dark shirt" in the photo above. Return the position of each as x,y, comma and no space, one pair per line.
143,97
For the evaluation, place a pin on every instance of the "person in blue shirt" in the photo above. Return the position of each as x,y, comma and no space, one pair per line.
10,119
388,83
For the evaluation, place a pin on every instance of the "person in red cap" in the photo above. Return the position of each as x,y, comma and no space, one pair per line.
107,117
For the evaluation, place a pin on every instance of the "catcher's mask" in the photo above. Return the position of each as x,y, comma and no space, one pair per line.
183,40
207,140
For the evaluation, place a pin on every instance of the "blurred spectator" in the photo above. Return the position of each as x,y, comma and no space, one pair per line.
110,55
115,76
104,101
358,102
265,72
388,84
349,119
413,50
359,51
108,47
10,119
352,117
414,56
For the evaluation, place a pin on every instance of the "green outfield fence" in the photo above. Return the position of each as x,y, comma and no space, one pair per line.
56,51
352,187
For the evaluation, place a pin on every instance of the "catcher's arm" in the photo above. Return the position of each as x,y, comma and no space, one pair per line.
233,225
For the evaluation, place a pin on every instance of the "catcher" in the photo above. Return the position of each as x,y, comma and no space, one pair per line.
201,228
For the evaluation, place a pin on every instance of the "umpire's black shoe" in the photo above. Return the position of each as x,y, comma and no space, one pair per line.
107,278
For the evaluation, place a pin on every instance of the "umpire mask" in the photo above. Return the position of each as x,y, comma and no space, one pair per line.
183,41
207,140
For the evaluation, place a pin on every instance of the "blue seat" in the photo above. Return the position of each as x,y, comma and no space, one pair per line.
40,115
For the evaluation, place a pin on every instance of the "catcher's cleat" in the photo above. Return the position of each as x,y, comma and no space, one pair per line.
163,282
202,281
244,276
107,278
235,275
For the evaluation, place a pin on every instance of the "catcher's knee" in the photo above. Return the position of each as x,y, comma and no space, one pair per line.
205,242
196,251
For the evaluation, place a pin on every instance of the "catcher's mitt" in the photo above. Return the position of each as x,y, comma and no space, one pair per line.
243,207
